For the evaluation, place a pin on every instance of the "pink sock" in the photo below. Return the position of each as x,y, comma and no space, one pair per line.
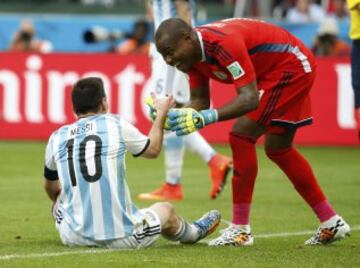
324,211
241,214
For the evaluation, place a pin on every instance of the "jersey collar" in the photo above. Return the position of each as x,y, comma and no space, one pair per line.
203,58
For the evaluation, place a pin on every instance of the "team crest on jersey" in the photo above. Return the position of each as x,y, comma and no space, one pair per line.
220,75
236,70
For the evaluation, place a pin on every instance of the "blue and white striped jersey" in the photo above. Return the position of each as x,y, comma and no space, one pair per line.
165,9
89,157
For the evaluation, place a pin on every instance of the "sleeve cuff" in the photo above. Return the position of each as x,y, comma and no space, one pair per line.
143,150
51,175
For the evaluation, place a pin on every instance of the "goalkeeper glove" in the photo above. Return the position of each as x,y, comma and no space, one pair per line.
187,120
152,112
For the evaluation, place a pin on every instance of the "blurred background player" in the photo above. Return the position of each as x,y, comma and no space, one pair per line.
85,178
138,43
24,40
167,80
340,10
354,6
305,11
327,41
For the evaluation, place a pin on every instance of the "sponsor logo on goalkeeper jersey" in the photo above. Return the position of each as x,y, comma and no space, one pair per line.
236,70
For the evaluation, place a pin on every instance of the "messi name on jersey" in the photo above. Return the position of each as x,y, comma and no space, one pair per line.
81,129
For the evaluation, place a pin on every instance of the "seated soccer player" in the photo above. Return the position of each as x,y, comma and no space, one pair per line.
85,178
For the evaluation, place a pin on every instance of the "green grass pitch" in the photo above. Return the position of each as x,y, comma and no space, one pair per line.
279,216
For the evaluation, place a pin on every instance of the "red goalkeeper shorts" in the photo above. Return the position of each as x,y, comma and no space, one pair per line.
284,101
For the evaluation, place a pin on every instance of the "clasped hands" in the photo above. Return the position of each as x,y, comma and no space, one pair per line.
184,120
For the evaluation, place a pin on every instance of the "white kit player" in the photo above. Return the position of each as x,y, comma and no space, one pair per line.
85,178
168,80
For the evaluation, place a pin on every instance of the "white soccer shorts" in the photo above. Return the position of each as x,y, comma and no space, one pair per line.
146,237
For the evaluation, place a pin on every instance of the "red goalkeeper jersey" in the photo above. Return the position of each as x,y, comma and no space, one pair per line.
240,51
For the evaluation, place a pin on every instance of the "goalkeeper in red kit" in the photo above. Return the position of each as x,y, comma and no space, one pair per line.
273,73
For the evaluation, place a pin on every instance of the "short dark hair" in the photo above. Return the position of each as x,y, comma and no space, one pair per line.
87,95
174,27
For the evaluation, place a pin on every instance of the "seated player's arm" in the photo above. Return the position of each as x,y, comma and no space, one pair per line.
52,188
246,101
162,106
51,184
155,135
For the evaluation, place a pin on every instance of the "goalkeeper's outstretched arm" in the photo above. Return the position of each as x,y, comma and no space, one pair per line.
246,101
198,115
199,98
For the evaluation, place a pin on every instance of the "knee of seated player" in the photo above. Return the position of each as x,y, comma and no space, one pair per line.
166,214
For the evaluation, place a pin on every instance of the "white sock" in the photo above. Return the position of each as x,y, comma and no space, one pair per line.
330,222
174,148
187,233
197,144
244,228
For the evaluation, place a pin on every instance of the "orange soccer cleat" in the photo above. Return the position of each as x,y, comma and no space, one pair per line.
165,192
220,166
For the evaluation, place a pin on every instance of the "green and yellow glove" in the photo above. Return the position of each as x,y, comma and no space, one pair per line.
187,120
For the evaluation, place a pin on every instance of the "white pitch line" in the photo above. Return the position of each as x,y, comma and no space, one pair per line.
54,254
97,251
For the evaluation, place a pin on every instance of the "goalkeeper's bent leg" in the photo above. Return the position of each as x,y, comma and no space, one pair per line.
280,150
